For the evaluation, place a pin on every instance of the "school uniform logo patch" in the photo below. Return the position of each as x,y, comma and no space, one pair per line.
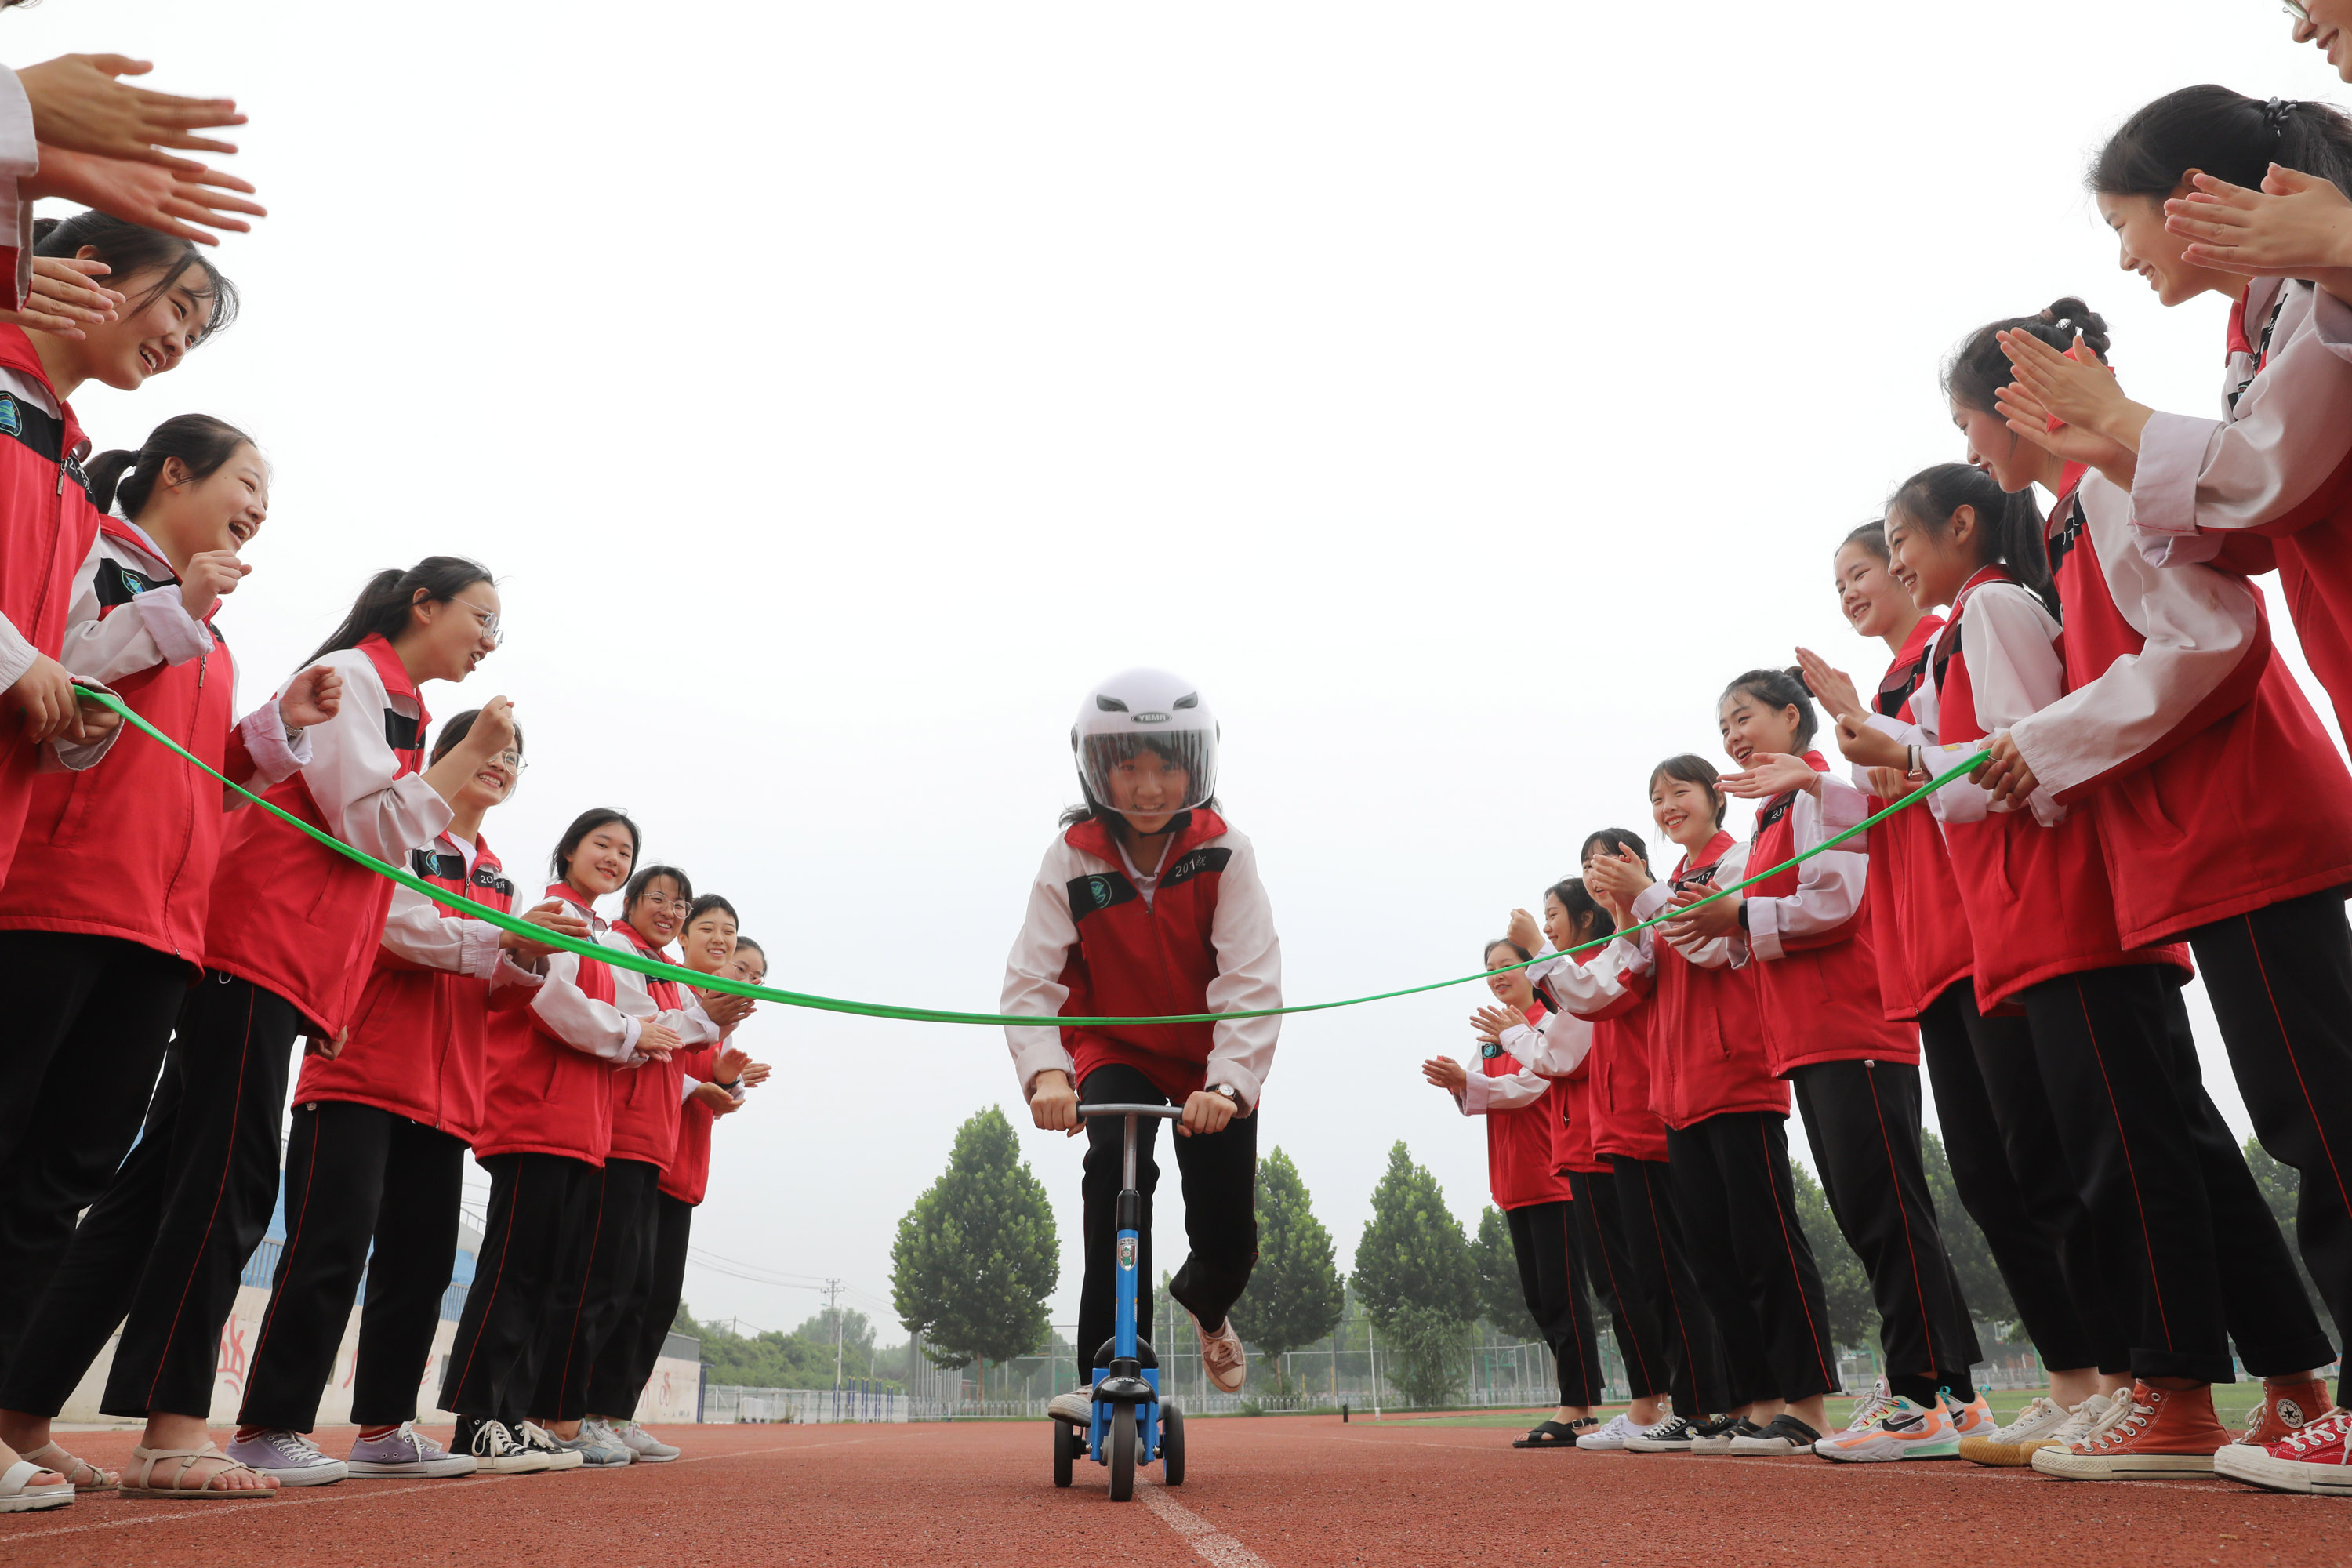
1103,890
12,420
1126,1252
1199,863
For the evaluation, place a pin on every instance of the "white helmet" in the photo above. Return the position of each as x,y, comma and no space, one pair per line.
1146,744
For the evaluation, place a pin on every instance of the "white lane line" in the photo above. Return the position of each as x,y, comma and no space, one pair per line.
168,1510
1213,1545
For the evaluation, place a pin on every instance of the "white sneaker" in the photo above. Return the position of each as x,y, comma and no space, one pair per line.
1222,1357
538,1439
1619,1431
649,1448
1076,1407
2036,1427
2090,1418
498,1451
290,1457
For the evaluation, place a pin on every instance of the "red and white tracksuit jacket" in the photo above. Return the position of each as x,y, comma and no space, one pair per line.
127,850
2033,885
555,1040
1103,940
2272,479
1916,926
1707,1051
416,1037
47,527
1519,1096
20,158
1816,973
2215,789
291,915
1598,987
646,1103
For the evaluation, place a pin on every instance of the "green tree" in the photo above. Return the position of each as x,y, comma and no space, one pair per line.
1981,1282
1414,1275
2282,1186
978,1254
1293,1297
1500,1299
1844,1285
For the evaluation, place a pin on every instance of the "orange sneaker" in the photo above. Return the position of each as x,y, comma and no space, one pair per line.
1974,1419
2158,1432
2286,1407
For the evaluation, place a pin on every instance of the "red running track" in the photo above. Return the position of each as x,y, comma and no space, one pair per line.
1278,1491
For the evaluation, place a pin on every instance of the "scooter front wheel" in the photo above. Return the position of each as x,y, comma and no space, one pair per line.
1065,1451
1172,1446
1122,1454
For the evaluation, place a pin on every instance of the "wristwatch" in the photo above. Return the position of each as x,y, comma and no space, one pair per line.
1230,1092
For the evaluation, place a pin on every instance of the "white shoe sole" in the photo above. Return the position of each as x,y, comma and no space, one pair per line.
564,1461
645,1458
309,1475
1769,1448
1887,1453
2067,1466
2244,1462
1654,1445
1703,1448
1602,1445
33,1500
426,1469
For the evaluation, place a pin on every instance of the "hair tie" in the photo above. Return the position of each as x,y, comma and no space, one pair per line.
2065,323
2274,115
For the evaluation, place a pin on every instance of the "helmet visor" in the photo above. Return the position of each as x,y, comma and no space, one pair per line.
1149,774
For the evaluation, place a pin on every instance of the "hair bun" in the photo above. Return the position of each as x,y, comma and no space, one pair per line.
1796,672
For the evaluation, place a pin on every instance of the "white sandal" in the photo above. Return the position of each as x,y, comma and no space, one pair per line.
18,1495
85,1476
204,1491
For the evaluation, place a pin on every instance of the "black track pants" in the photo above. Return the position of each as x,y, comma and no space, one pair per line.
609,1254
1862,1118
1748,1248
1608,1261
2281,983
90,1018
2003,1144
539,1203
1220,1179
1551,1279
1662,1280
2190,1253
342,1160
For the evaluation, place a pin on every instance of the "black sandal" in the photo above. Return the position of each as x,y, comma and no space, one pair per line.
1554,1435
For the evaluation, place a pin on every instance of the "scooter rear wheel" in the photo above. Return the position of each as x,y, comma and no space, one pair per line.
1122,1454
1065,1451
1172,1446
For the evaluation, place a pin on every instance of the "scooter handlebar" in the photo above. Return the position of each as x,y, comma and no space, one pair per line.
1169,1112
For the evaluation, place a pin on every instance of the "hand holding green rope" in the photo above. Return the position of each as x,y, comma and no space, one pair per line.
631,959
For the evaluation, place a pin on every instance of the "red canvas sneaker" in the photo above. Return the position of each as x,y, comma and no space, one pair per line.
2160,1432
2318,1458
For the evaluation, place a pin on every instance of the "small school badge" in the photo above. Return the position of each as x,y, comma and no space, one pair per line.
12,419
1126,1252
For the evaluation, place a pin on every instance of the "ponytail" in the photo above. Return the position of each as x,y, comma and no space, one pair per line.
2010,525
1977,369
202,444
1780,688
2225,135
382,609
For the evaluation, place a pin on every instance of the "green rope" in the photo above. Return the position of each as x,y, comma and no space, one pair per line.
660,969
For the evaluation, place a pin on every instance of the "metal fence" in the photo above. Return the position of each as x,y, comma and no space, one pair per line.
859,1401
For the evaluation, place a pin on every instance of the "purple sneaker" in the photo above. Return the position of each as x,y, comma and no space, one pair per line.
408,1452
290,1457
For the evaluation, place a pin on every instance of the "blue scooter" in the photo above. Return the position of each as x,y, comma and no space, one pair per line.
1131,1425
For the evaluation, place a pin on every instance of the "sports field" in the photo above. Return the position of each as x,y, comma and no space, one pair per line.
1278,1490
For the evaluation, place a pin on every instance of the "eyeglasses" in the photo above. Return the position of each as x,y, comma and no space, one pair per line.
658,902
489,620
512,762
2296,9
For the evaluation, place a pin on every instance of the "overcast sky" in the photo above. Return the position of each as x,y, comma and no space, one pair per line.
1461,395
